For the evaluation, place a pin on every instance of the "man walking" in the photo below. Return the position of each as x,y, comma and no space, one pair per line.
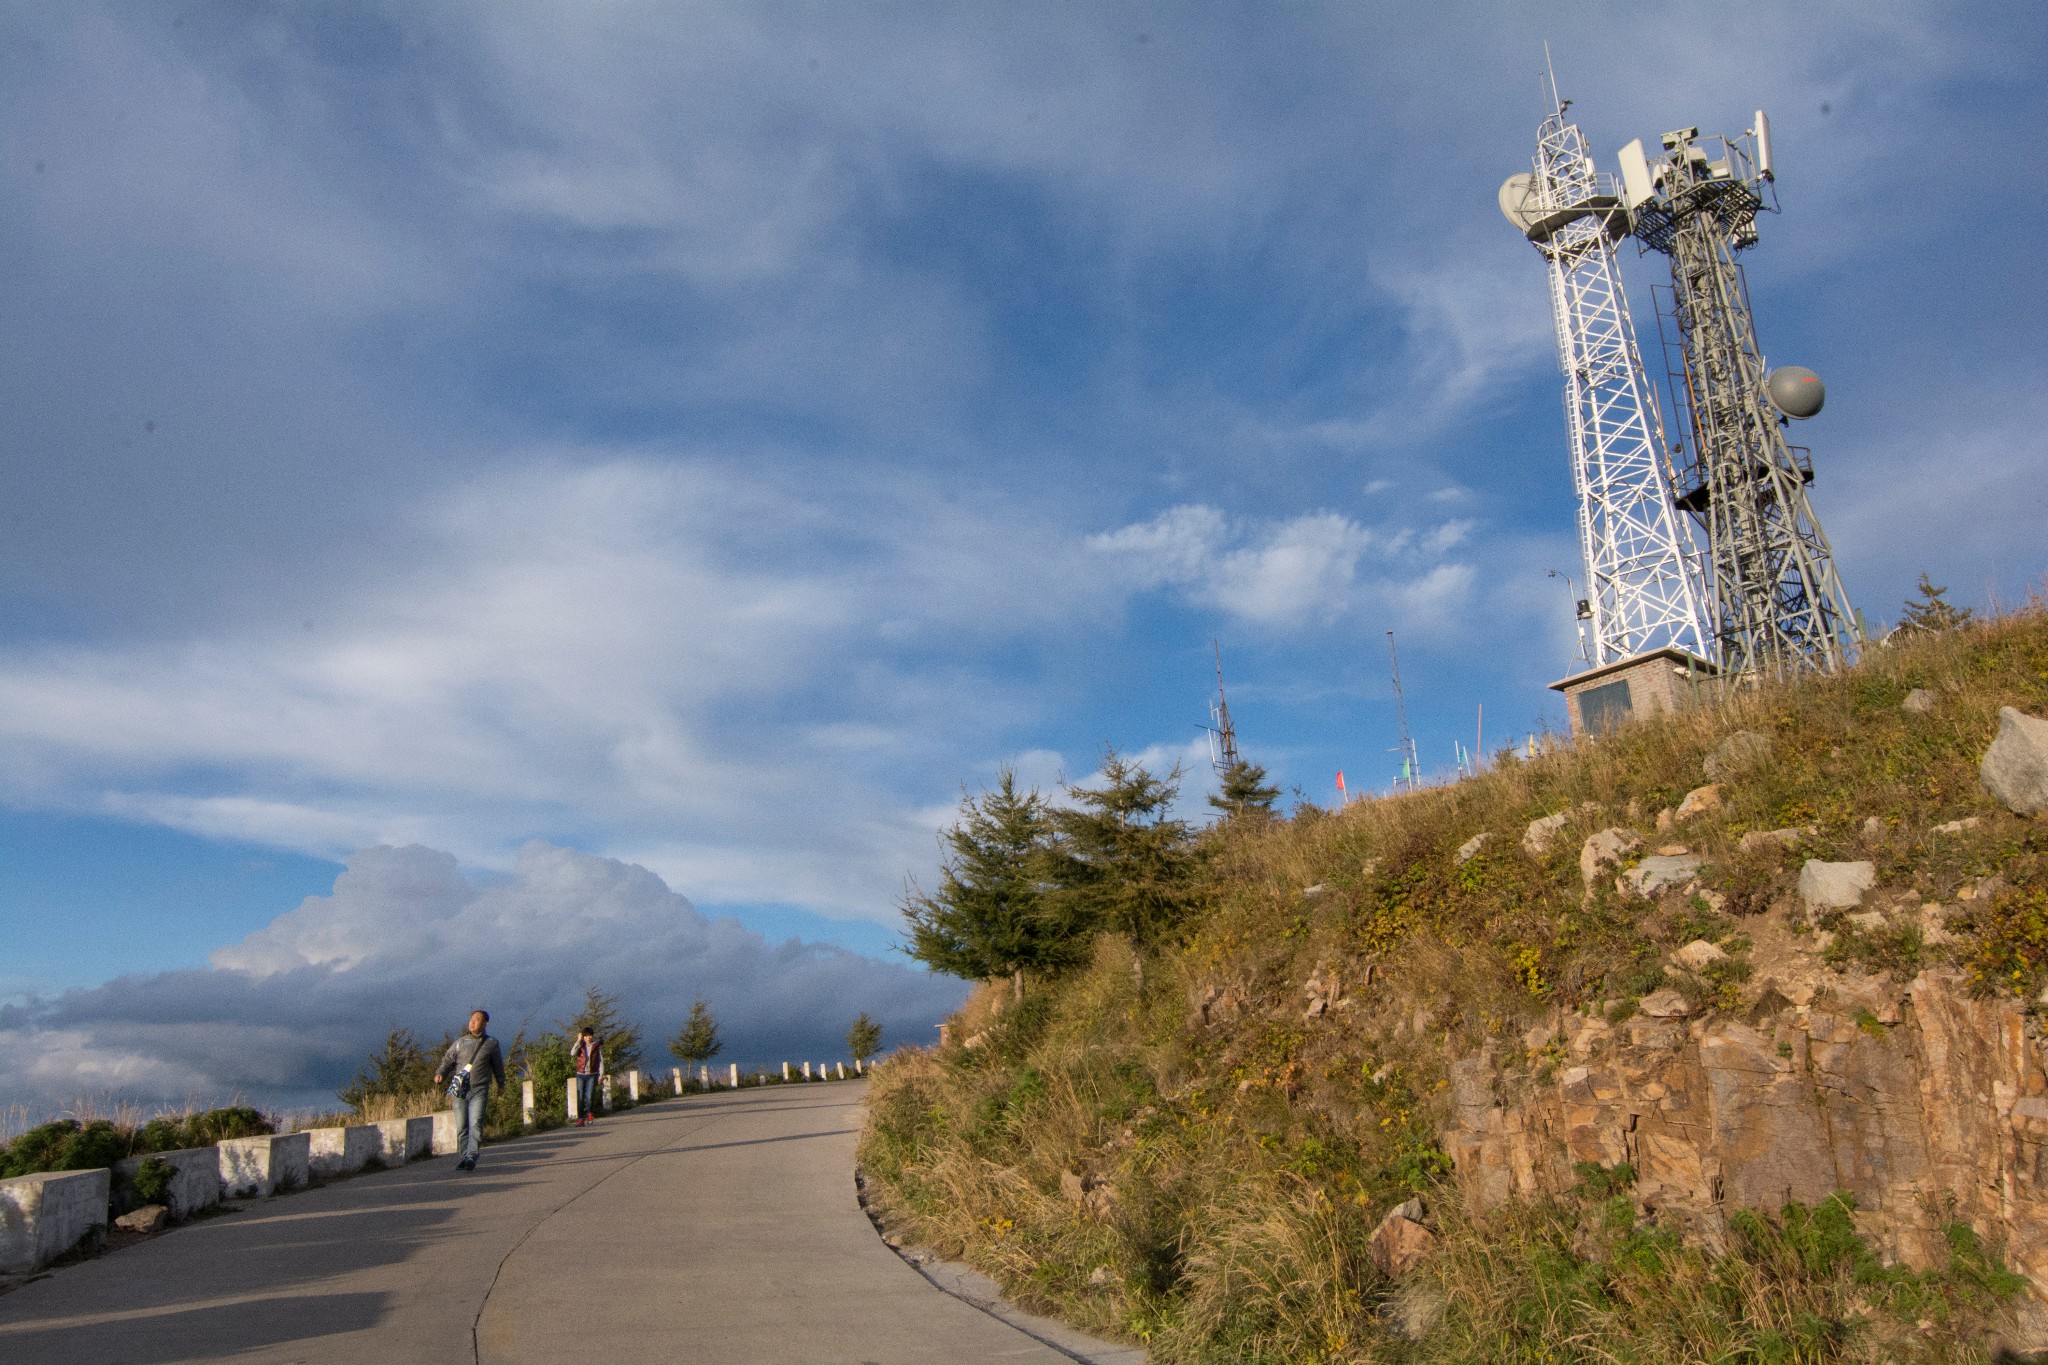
587,1057
472,1064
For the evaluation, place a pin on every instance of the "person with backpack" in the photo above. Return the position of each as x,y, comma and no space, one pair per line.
471,1065
586,1058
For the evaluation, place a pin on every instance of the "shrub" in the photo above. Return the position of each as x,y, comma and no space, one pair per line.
151,1180
65,1145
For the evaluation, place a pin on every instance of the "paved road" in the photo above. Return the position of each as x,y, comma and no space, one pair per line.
715,1228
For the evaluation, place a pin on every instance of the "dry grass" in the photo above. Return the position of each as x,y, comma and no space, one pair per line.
1233,1153
379,1108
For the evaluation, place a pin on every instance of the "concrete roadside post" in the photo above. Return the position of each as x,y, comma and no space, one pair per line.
343,1151
735,1075
604,1098
526,1116
860,1066
704,1077
785,1071
195,1177
573,1115
840,1067
633,1085
42,1216
807,1070
677,1072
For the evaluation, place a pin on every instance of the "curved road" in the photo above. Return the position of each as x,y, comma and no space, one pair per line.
714,1228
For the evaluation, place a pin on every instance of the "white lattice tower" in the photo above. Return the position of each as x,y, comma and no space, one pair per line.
1642,569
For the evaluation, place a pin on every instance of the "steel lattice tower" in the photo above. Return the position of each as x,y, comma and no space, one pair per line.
1642,570
1779,606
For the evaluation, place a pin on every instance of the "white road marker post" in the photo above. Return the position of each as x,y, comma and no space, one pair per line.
571,1102
526,1104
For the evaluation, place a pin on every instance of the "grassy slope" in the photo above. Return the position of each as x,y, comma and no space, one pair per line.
1191,1162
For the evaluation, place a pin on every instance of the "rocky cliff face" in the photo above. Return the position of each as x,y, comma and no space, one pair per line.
1924,1102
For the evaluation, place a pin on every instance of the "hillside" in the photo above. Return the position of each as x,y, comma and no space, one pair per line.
1582,1012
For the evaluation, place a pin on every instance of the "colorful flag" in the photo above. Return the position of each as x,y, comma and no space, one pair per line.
1340,782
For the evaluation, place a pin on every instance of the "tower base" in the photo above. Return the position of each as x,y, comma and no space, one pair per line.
1645,684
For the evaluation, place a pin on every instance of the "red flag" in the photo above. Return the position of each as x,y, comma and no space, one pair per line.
1340,779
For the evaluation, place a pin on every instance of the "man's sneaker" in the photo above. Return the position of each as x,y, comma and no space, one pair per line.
465,1165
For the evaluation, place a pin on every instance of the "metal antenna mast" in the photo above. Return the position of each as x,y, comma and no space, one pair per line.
1223,736
1411,766
1779,605
1642,571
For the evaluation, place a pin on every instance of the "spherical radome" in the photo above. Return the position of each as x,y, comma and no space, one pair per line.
1795,390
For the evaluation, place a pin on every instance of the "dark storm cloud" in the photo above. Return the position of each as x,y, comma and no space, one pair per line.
287,1014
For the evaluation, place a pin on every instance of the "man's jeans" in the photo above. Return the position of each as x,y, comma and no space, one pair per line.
469,1122
586,1093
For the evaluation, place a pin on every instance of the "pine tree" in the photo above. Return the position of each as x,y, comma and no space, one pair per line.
401,1067
1245,792
990,916
618,1040
1930,610
864,1039
697,1042
1118,862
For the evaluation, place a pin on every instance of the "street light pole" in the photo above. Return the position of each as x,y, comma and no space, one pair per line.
1581,609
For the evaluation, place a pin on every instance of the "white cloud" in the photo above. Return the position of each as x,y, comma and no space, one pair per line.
612,647
1288,574
285,1015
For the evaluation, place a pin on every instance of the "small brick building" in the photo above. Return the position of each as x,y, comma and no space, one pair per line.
1642,684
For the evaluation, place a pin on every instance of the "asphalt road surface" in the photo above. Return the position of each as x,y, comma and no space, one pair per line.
714,1228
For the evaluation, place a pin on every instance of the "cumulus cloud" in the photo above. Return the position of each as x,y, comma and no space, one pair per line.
285,1015
721,675
1289,573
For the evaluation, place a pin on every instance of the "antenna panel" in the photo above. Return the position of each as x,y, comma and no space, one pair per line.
1637,188
1765,167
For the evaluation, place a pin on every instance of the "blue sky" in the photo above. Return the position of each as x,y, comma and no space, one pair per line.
704,437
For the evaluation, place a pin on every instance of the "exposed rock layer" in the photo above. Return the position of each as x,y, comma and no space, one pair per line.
1923,1102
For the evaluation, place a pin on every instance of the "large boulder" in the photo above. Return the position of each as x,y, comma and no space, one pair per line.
1835,886
1401,1240
1658,873
1698,801
1537,837
1761,840
1698,955
1737,754
1665,1003
1605,849
2015,767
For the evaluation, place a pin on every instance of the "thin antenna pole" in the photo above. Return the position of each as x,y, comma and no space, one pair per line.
1225,733
1409,762
1551,70
1479,740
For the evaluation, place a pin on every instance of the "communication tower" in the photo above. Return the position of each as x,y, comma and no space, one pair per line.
1411,766
1779,606
1222,734
1643,590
